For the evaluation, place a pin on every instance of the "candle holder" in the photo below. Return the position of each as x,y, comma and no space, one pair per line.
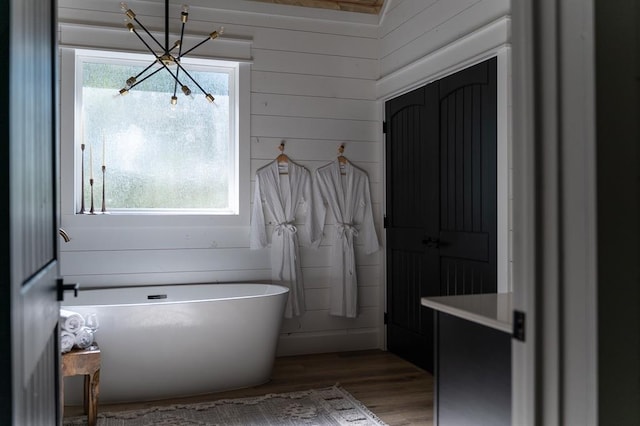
82,180
92,210
104,169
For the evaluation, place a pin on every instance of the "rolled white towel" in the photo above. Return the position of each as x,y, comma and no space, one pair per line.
67,340
84,338
71,321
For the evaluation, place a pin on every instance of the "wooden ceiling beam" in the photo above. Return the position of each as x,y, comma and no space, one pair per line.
360,6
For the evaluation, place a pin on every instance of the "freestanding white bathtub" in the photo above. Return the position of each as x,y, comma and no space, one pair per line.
167,341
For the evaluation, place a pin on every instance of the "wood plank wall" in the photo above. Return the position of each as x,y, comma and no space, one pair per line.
316,82
414,29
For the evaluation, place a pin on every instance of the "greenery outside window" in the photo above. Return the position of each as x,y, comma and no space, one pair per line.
158,157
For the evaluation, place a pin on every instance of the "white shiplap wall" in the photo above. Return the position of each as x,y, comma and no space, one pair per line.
318,79
422,40
312,85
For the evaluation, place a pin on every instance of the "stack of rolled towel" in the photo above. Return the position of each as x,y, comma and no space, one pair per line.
73,331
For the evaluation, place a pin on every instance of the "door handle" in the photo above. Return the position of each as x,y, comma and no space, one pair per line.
435,243
431,242
62,287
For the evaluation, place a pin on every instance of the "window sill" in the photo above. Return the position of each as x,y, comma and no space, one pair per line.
140,219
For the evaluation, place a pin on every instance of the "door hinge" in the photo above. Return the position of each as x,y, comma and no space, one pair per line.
386,318
384,127
385,222
518,325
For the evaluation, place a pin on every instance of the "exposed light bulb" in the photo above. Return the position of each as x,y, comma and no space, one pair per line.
214,35
209,97
131,81
186,90
127,11
174,100
184,15
124,91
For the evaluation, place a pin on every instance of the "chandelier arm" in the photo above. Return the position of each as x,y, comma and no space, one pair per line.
172,74
173,48
148,33
178,75
180,67
175,84
147,44
166,26
145,70
194,47
160,60
146,77
181,39
175,88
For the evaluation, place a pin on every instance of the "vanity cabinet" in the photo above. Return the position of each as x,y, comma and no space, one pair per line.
472,359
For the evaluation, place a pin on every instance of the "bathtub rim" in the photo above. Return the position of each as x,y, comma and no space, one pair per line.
70,303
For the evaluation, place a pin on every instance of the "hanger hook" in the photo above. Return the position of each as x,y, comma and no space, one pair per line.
281,147
341,149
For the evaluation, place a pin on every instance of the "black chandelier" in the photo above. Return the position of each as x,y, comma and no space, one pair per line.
166,58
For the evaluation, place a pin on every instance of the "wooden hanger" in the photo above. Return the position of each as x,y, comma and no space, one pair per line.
342,160
283,160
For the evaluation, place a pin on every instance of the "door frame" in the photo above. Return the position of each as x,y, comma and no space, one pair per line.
555,377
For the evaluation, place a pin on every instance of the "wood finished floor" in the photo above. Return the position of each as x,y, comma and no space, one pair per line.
398,392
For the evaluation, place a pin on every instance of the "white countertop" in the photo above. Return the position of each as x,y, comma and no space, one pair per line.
492,309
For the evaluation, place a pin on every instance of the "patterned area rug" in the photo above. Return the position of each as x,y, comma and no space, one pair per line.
318,407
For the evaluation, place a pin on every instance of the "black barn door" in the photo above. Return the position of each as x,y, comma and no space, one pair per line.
441,201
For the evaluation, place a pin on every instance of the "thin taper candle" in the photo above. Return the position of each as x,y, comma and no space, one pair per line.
90,161
91,210
104,170
103,157
82,177
82,126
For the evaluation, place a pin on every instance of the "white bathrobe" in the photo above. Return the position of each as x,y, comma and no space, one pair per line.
349,198
284,197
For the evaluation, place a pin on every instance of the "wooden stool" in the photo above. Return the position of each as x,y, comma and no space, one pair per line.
87,363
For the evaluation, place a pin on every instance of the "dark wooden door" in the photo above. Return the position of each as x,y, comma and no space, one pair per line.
441,201
468,182
412,185
30,361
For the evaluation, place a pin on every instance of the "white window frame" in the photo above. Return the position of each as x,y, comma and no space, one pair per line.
107,57
70,156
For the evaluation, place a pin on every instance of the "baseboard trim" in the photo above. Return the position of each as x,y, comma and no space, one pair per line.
342,341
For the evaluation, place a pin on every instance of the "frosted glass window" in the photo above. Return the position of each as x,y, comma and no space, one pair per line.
158,157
